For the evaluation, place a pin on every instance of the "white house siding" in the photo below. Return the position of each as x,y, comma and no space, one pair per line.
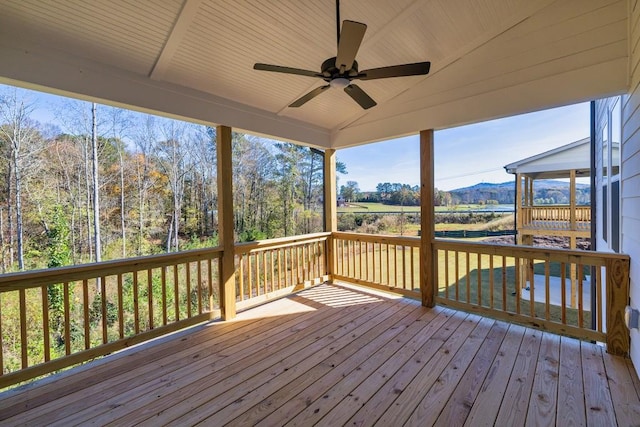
630,170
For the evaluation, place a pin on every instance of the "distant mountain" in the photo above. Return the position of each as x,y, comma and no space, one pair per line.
546,191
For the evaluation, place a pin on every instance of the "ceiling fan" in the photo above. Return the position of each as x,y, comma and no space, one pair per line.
340,70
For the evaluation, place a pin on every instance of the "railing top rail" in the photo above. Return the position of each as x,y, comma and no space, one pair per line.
562,255
245,247
37,278
379,238
554,207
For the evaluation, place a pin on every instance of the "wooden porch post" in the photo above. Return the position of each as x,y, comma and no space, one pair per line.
330,212
617,299
428,281
225,223
518,204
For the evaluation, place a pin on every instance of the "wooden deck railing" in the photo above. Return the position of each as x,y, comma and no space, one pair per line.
55,318
486,279
556,217
272,268
52,319
383,262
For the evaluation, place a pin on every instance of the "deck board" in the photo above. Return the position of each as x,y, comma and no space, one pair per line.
341,355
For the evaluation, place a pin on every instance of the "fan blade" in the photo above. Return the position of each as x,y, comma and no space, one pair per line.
360,96
419,68
350,38
308,97
286,70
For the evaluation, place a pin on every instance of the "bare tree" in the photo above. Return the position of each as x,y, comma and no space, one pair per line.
95,185
22,138
173,152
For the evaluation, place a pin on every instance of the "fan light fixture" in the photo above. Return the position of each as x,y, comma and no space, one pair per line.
339,83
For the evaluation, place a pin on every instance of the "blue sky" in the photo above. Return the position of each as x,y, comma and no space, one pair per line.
469,154
464,155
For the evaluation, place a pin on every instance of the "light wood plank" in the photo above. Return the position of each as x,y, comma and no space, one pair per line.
570,385
192,392
461,401
319,382
387,394
436,398
416,335
544,396
411,393
485,408
233,337
597,397
515,403
625,401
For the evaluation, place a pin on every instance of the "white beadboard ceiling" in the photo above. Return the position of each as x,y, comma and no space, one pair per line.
194,59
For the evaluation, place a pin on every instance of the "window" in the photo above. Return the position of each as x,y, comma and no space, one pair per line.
611,141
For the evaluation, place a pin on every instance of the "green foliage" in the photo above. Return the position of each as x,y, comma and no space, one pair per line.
95,311
58,245
251,235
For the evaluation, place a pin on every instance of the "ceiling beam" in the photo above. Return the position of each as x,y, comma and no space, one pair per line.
180,28
49,70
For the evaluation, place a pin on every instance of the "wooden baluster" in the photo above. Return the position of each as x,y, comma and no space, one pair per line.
210,283
67,319
103,300
479,278
395,265
249,275
45,325
163,280
457,264
491,282
468,276
85,300
532,289
517,285
563,297
280,269
199,284
187,267
257,280
547,291
23,328
598,297
580,302
150,296
388,265
413,269
446,273
404,267
176,291
136,312
272,282
504,282
243,259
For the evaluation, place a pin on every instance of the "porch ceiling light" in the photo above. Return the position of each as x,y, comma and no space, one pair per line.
339,83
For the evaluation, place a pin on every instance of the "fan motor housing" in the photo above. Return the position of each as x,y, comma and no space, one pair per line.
330,71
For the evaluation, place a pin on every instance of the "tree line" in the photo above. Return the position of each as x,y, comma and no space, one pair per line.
107,183
546,192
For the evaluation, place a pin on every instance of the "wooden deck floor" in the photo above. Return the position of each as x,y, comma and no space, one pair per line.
335,355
